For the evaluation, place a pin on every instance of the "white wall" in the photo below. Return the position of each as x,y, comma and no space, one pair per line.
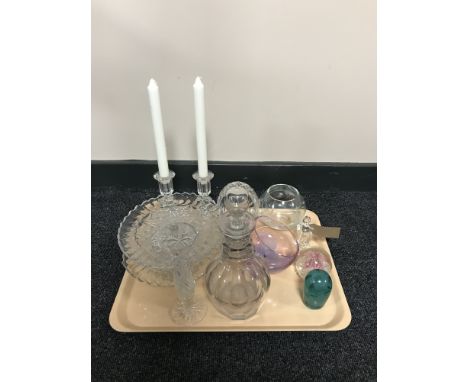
285,80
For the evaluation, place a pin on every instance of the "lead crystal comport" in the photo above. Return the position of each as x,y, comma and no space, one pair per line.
169,240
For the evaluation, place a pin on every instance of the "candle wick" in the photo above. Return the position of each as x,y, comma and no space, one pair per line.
152,84
198,82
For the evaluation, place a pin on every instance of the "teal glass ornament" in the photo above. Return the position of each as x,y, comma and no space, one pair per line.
317,288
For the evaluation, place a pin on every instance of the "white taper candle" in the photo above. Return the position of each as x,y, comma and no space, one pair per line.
155,105
199,99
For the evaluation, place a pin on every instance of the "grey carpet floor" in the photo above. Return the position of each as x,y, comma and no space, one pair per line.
348,355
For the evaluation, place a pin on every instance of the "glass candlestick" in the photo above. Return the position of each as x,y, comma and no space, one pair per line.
203,183
166,187
176,239
206,203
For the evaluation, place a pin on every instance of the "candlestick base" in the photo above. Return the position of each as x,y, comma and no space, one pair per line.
203,183
165,183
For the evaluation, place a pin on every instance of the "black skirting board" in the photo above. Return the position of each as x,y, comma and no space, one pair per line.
310,176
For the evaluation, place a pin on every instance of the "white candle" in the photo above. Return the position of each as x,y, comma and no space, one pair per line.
155,105
199,97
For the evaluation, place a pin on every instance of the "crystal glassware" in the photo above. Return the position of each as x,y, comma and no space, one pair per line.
237,281
284,203
310,259
307,233
238,196
204,186
274,243
169,240
317,288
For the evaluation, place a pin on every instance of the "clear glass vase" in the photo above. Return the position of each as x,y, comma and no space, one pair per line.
285,204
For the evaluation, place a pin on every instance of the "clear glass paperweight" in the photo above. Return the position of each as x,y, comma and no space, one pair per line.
169,240
274,243
310,259
237,281
284,203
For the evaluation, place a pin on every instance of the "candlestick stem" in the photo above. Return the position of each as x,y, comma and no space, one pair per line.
203,183
165,183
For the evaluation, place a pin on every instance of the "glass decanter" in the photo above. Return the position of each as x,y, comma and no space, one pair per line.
237,282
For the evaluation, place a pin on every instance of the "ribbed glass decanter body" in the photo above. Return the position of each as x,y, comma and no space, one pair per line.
237,281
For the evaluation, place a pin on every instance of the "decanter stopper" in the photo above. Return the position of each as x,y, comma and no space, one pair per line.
237,197
238,206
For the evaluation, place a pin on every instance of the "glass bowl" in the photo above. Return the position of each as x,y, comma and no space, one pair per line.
284,204
310,259
274,243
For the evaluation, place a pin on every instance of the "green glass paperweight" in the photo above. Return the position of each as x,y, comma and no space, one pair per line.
317,288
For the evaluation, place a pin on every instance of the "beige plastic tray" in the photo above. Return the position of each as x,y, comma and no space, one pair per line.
139,307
